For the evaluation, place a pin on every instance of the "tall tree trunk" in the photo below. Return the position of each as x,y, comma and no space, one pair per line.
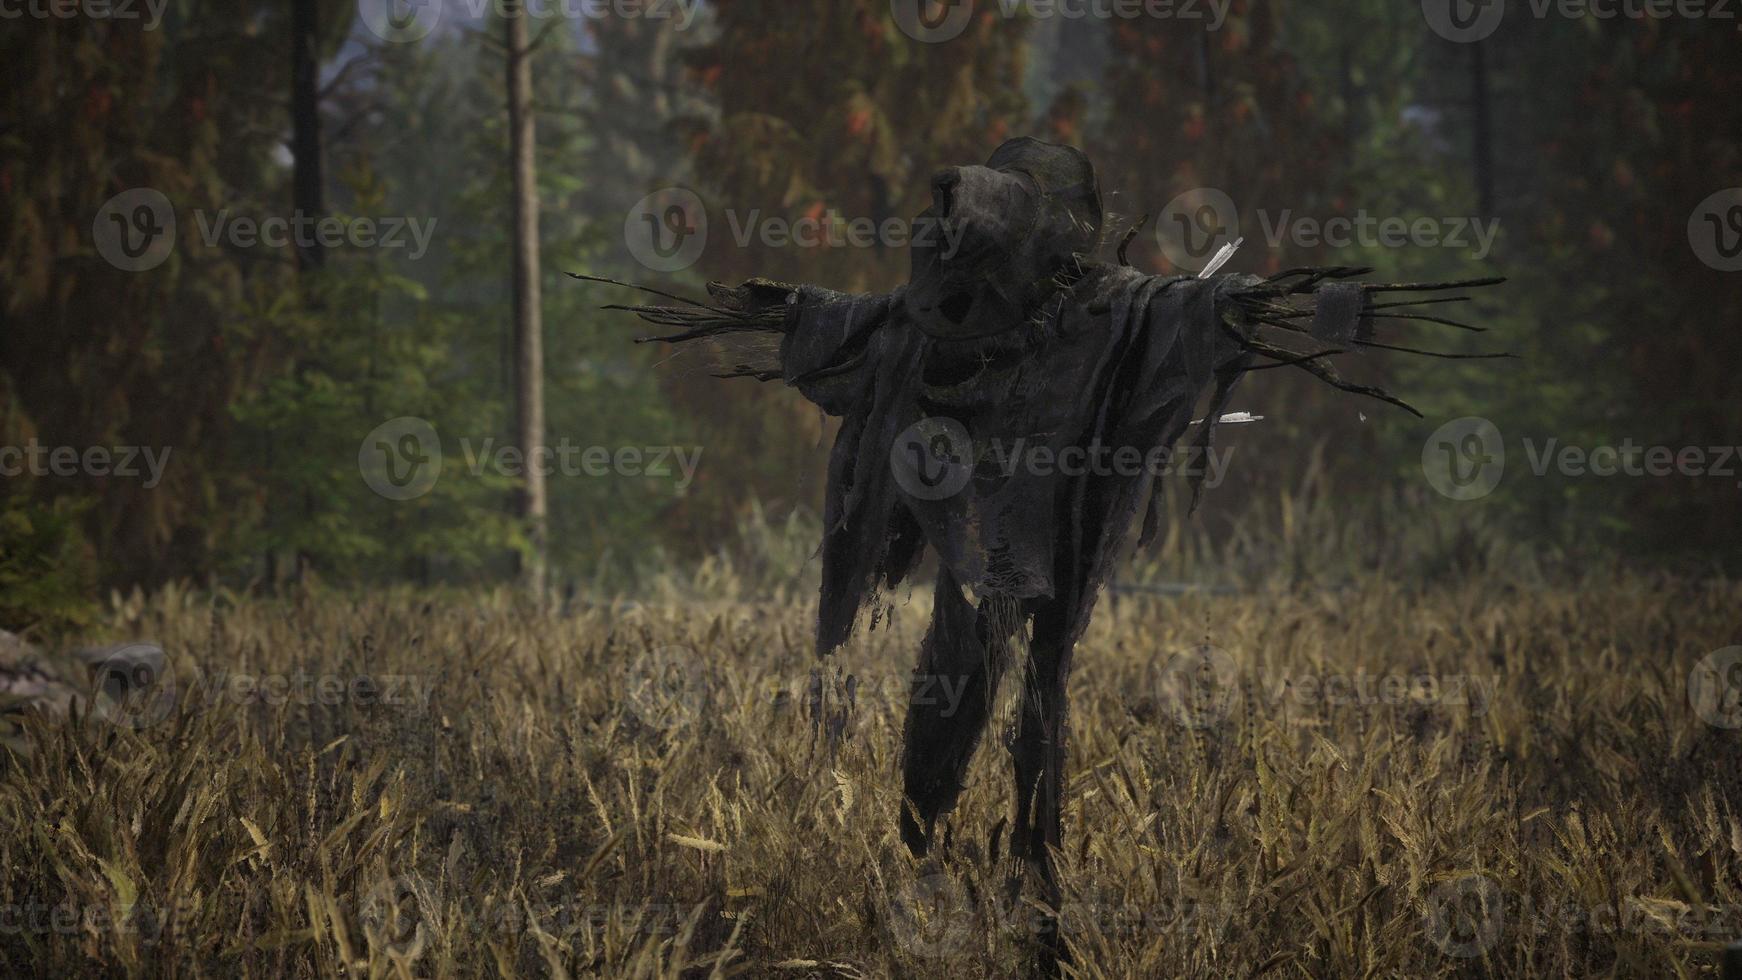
1483,150
528,323
308,180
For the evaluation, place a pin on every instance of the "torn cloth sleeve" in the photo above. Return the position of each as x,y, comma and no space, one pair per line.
829,348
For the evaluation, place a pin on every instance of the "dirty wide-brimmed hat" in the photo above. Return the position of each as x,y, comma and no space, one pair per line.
1000,238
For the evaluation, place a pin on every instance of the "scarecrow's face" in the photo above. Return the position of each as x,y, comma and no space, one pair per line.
983,261
987,214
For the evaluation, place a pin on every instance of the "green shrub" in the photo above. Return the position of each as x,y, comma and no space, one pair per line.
47,574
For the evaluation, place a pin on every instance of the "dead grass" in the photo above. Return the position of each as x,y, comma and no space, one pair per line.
640,791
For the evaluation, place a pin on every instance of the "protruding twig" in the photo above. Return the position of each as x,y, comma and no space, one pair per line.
1329,375
1428,319
1428,287
1433,353
1421,302
639,286
1125,243
1292,362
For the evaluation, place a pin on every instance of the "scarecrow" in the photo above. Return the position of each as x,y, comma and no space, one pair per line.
1011,344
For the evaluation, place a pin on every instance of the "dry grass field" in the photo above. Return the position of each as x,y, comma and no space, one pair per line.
1475,779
